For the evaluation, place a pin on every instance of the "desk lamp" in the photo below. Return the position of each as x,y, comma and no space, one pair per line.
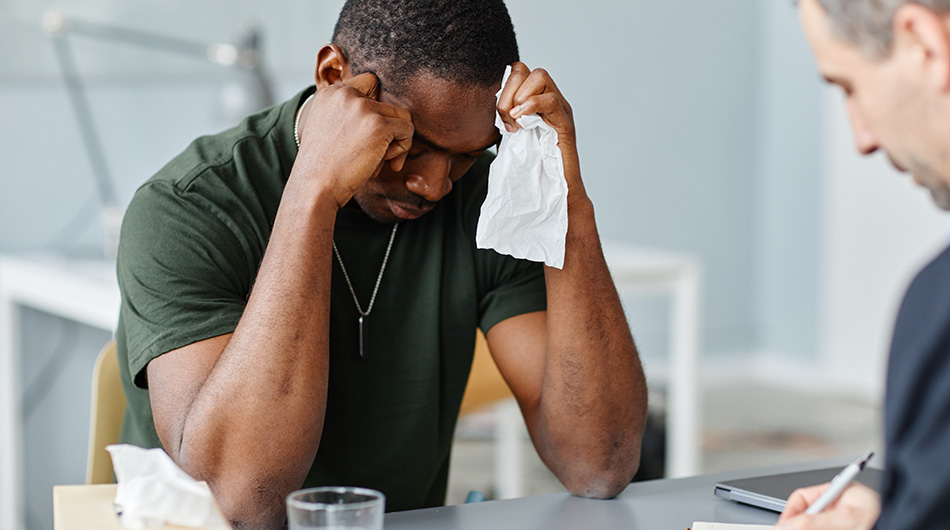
236,100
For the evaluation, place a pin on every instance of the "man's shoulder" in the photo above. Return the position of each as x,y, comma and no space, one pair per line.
220,152
924,318
932,283
261,141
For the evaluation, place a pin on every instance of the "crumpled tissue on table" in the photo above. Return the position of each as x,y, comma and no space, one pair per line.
525,212
154,491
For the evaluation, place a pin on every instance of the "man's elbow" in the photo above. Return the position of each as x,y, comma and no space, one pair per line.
248,498
604,479
605,485
247,510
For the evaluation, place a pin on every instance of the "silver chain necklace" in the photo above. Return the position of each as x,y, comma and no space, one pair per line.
336,252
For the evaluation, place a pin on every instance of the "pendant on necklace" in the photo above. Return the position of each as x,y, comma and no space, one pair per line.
372,298
362,350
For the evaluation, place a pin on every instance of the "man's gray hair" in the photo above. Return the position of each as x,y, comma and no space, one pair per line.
869,23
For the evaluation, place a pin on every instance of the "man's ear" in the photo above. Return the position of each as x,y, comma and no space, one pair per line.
923,36
332,66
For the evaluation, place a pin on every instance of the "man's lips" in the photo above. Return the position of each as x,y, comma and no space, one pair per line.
902,169
407,211
897,166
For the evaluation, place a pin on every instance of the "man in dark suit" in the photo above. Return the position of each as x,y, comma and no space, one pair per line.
892,60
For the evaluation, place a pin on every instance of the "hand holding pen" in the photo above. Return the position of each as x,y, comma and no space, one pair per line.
841,481
815,508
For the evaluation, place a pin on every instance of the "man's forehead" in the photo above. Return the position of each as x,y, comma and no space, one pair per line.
816,25
835,57
448,115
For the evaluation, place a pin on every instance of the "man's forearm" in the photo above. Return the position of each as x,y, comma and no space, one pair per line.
254,427
593,401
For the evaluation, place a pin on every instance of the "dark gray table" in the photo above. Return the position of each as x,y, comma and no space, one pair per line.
655,505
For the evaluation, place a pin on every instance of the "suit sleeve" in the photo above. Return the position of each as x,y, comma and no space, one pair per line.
917,407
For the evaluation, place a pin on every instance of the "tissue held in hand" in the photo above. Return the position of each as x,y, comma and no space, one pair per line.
525,212
153,491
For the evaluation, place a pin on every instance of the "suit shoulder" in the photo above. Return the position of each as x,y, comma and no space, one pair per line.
924,315
933,281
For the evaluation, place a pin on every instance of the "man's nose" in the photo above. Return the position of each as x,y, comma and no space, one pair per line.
864,139
429,177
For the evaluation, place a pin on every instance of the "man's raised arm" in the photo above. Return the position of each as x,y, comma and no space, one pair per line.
574,369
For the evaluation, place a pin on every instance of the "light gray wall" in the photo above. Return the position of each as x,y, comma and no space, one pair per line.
147,106
661,93
293,30
788,185
666,128
678,147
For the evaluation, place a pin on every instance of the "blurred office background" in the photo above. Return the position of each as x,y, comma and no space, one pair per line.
703,128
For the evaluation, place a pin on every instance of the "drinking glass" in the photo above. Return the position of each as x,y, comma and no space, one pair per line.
335,508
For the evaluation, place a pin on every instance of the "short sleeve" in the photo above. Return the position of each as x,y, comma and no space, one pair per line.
510,287
183,273
506,286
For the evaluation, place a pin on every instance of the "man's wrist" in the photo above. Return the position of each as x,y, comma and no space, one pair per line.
309,199
580,217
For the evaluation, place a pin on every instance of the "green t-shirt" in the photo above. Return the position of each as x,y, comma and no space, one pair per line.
193,238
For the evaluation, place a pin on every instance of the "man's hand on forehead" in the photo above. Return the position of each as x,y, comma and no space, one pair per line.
367,83
348,135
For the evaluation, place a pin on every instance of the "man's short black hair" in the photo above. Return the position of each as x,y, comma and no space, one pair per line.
466,41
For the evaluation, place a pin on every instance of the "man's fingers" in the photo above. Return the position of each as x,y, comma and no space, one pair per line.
391,111
367,83
402,140
538,82
392,121
800,500
399,161
803,522
831,519
403,132
530,92
519,72
547,105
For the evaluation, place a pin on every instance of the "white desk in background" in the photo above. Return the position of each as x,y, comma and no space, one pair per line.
638,271
85,292
77,290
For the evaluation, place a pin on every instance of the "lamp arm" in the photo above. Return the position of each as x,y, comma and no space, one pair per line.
87,127
225,54
244,56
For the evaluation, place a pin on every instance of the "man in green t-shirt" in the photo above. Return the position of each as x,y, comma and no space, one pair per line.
300,293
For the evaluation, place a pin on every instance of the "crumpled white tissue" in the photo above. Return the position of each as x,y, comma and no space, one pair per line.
525,212
154,491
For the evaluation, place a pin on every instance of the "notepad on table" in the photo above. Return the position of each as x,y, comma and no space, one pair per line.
730,526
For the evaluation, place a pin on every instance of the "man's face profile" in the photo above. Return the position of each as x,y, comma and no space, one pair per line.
888,102
454,125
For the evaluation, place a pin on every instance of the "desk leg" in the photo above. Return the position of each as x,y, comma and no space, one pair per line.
683,432
509,461
11,418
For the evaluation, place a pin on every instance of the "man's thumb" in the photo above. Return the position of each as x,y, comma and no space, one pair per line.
367,83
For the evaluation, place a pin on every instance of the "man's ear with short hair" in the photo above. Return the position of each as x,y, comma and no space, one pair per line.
332,66
924,36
